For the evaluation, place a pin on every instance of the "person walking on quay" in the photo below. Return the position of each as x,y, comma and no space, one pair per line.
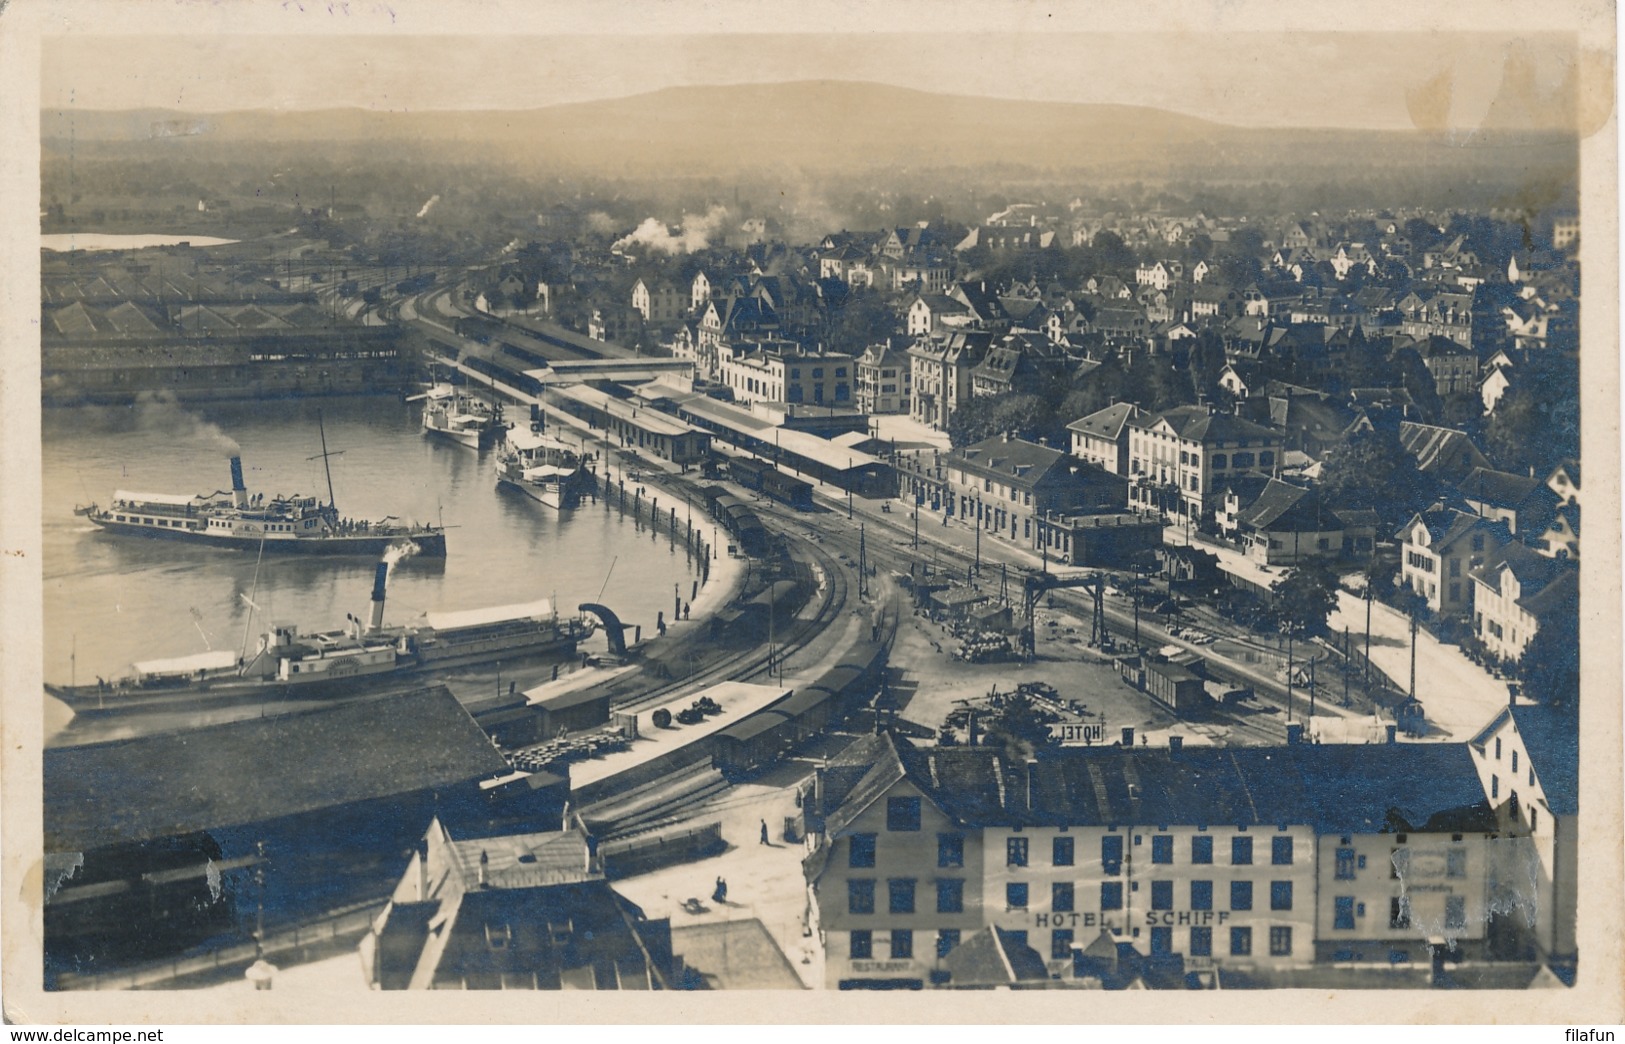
720,893
764,832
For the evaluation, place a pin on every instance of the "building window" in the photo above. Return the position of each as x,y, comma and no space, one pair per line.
1015,851
1162,849
1241,851
862,946
1281,851
903,813
1061,898
1111,853
1497,748
950,896
1241,895
1280,942
1280,895
1162,895
1241,942
1455,912
950,850
1111,895
1343,912
1060,944
1345,864
1514,759
1015,896
1399,911
1201,849
1455,862
1201,942
947,939
1061,851
902,944
1399,861
1495,787
862,852
1162,941
860,897
900,895
1201,895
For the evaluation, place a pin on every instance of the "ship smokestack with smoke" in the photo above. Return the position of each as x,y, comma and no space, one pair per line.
239,492
380,581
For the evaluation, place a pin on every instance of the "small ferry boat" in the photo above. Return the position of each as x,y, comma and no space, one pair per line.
544,468
289,664
464,419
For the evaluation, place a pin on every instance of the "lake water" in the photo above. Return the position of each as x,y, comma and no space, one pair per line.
111,600
65,241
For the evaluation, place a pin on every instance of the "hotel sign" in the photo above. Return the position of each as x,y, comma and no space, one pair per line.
1077,733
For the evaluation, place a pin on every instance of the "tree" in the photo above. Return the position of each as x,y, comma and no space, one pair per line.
1550,666
1417,380
1534,426
1207,360
1021,416
1304,600
1373,470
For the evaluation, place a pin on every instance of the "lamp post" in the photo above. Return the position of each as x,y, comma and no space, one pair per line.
849,487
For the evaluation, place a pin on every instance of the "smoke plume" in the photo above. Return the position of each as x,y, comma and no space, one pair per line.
160,412
395,554
695,233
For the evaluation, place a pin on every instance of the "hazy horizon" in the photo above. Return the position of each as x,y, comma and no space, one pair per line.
1335,81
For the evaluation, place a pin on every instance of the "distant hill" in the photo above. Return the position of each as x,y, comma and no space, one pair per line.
813,125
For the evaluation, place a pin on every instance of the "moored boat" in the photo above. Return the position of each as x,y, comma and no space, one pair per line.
464,419
288,664
544,468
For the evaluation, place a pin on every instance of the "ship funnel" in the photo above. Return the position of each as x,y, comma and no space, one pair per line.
239,492
379,582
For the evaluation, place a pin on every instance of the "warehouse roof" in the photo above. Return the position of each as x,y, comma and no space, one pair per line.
260,769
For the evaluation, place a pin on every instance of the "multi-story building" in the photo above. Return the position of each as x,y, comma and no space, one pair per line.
885,379
1439,549
659,303
1528,764
941,368
785,374
1179,459
1516,593
1101,438
1245,861
1007,487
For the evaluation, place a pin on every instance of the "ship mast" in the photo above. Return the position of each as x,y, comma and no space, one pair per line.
321,427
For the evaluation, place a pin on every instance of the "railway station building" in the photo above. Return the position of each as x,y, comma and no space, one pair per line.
1261,865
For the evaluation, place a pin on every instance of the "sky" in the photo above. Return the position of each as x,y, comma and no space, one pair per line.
1258,79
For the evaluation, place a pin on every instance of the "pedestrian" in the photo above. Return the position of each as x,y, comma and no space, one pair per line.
720,892
764,831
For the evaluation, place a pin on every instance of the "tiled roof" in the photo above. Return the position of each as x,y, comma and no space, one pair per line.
1333,788
1107,423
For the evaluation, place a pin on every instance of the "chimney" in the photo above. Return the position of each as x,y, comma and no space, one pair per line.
1128,737
485,861
423,869
1032,783
1176,746
1294,733
379,582
239,492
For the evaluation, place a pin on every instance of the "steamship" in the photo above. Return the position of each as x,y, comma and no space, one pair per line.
301,524
363,655
464,419
544,468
